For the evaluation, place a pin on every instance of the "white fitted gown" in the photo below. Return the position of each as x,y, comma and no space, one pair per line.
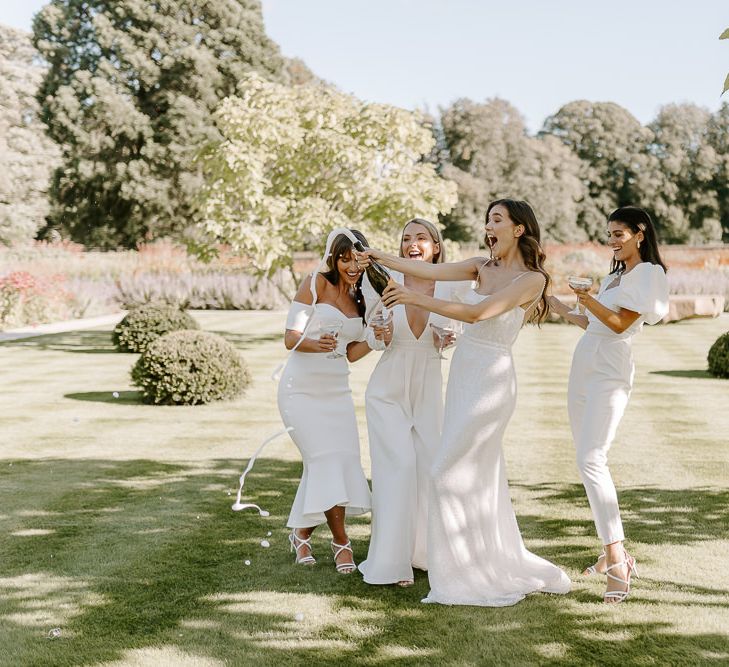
476,555
315,399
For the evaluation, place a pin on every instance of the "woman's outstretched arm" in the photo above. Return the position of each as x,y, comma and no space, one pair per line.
521,291
563,310
465,270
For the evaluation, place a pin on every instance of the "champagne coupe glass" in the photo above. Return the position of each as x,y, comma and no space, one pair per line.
579,282
381,318
454,327
332,327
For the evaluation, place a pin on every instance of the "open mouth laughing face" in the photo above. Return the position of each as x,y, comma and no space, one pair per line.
499,228
348,270
417,243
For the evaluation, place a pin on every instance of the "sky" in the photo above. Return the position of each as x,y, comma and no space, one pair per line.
537,54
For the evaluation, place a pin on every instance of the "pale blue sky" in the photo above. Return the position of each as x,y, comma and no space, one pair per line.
538,54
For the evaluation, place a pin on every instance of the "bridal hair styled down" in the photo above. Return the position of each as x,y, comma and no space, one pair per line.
435,235
521,213
342,247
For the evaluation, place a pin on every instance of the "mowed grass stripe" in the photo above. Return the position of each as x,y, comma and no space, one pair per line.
136,575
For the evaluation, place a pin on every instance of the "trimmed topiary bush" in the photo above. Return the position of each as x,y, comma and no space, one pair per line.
190,368
719,357
147,323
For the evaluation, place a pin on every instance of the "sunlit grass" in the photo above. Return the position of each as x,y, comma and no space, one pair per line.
116,527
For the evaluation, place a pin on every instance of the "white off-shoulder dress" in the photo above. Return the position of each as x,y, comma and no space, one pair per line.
601,379
404,404
315,399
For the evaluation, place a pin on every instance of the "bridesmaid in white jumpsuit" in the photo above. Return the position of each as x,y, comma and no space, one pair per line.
404,406
601,378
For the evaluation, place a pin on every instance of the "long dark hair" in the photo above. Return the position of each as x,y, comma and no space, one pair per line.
342,246
521,213
434,234
637,220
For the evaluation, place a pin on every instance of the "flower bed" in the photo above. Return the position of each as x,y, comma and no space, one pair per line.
44,282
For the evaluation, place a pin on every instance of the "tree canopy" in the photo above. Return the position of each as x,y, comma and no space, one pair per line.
295,162
27,156
129,95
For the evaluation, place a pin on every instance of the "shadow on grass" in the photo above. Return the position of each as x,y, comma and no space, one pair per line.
99,342
654,516
86,342
122,397
142,555
701,374
247,341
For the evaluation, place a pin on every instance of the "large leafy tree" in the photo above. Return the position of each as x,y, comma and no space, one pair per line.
683,194
295,162
129,96
611,145
27,156
718,138
491,155
725,35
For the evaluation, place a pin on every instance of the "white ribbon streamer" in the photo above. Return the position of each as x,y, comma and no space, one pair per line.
237,506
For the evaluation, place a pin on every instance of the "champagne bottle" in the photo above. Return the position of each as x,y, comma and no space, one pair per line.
376,273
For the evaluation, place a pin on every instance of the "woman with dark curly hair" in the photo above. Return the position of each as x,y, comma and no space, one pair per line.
325,330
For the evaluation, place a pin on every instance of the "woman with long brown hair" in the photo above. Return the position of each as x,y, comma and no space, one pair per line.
476,555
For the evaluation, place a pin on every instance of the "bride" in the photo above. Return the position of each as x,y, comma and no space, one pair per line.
476,555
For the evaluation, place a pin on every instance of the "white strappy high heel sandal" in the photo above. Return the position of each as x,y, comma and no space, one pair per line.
614,597
592,569
296,543
343,568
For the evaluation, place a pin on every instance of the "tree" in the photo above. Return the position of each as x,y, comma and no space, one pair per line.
725,35
490,155
27,156
611,145
683,198
129,95
295,163
718,138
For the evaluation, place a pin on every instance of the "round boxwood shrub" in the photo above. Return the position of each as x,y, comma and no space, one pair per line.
147,323
719,357
189,368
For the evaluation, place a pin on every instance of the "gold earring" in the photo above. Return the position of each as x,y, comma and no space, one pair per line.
637,245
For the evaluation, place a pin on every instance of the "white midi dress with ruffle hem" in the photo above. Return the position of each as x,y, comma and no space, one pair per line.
315,399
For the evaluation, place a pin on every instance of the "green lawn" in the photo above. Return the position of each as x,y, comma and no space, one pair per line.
115,521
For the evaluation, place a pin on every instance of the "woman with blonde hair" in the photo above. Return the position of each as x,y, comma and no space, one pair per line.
404,406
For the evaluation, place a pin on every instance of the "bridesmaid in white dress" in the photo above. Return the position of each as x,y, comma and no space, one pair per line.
315,399
601,378
404,418
476,555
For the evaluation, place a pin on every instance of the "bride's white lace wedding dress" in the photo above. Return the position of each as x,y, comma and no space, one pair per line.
476,555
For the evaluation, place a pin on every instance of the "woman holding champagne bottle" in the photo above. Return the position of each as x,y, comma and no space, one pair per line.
314,399
404,406
476,555
601,378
